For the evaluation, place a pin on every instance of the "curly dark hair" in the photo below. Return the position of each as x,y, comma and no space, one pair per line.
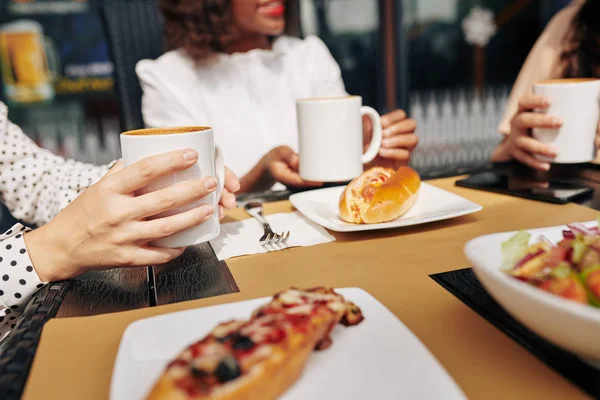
204,27
581,54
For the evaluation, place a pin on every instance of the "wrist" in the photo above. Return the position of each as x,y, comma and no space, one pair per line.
259,178
501,153
48,255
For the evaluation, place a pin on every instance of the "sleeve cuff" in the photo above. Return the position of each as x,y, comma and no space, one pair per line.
18,279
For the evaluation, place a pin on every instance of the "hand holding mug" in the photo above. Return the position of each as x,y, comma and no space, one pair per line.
108,226
558,123
231,186
597,145
227,200
520,145
282,164
399,139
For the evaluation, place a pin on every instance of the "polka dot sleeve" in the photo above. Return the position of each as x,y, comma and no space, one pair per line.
18,279
36,184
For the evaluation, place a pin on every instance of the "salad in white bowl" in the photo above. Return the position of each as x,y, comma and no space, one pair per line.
548,279
569,268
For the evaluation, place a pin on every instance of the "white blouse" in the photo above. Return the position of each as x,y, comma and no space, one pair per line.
35,185
248,98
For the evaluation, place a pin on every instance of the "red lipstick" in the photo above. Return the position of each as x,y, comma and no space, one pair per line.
275,11
272,9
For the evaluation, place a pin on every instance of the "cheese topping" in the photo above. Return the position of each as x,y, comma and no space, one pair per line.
261,328
337,306
227,328
301,309
209,362
213,349
296,297
291,296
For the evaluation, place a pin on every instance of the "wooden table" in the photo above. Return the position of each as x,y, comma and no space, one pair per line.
76,355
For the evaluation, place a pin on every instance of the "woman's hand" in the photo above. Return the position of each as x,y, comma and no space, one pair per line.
399,139
520,145
597,143
232,185
106,226
228,199
282,164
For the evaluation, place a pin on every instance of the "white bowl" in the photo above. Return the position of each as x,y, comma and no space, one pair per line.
569,325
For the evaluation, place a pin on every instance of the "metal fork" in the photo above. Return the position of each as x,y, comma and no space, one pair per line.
255,209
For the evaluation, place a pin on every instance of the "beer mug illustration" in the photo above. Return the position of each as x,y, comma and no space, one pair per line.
28,61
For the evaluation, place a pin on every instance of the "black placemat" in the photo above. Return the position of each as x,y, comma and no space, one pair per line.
18,352
464,284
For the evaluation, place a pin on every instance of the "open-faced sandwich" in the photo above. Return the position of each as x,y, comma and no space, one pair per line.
379,195
259,358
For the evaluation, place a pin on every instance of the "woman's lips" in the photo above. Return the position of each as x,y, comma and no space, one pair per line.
272,9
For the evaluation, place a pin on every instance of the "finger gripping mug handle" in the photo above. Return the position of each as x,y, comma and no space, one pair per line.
377,136
220,172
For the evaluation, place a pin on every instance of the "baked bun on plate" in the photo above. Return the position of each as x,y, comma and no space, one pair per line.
379,195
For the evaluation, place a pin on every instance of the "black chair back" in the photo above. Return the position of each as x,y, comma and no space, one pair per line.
134,30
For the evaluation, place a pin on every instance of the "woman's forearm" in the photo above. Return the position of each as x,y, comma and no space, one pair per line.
500,153
257,179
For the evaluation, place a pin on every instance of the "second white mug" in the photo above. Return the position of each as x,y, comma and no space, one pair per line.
331,138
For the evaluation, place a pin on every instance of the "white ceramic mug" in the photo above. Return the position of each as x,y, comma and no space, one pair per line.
575,101
331,138
139,144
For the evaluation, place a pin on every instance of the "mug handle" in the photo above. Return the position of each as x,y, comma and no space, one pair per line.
375,145
220,171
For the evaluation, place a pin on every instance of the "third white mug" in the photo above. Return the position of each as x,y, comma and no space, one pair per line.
575,101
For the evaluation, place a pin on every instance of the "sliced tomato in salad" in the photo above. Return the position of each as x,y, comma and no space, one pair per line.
591,280
569,287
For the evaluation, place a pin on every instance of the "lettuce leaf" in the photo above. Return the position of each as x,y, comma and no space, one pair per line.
579,249
514,249
563,270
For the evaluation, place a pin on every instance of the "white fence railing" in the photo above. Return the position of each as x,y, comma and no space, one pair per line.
456,127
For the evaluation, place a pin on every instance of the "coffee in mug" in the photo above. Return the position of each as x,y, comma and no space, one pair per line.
575,102
166,131
331,138
139,144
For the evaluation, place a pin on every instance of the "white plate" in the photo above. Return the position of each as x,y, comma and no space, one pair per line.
379,358
572,326
433,204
